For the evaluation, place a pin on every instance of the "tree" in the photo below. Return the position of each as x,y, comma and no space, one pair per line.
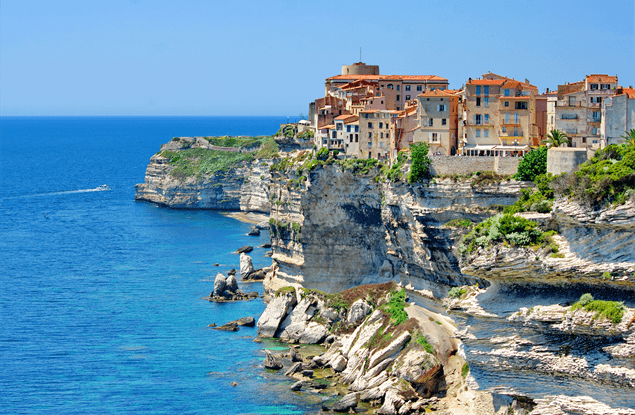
533,164
556,138
420,168
629,137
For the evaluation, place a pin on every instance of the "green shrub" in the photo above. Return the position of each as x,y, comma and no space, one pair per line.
611,310
465,370
585,299
268,149
459,223
201,162
322,154
396,306
532,164
422,340
420,168
456,292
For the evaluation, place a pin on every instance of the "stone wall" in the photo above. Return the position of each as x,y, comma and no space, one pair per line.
565,159
465,164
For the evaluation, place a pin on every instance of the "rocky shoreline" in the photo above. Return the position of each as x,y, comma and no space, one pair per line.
337,230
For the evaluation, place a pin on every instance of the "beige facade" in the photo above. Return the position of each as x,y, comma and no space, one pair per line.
375,133
497,117
437,113
618,116
578,110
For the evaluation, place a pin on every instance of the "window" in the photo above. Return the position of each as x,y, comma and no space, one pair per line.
398,98
504,129
507,103
389,86
507,118
596,116
370,144
485,133
357,128
434,137
370,125
443,121
370,135
478,90
571,101
381,135
515,131
515,118
594,86
596,100
486,101
339,126
334,134
595,131
381,125
382,101
381,145
430,122
432,88
351,138
356,137
506,92
522,105
348,128
442,88
486,89
486,118
552,119
398,87
478,132
418,87
441,107
407,97
478,101
605,86
407,87
478,119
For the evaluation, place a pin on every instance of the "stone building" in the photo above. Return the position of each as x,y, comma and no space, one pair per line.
437,113
497,117
618,116
578,110
375,133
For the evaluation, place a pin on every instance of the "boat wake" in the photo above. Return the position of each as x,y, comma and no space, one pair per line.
101,188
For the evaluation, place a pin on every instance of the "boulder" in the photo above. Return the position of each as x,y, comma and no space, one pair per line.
262,225
231,284
294,369
253,294
245,321
392,402
297,386
339,363
314,333
256,275
232,271
295,356
246,266
227,327
418,366
358,312
276,311
389,351
347,403
219,284
254,232
308,373
265,245
245,249
271,361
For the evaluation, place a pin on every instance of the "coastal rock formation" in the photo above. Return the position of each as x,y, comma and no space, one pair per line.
246,265
242,187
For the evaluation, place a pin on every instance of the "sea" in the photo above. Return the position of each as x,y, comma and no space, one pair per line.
101,297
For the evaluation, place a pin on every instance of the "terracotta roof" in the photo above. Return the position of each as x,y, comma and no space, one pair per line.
342,117
486,82
386,77
352,120
329,127
435,93
629,92
602,78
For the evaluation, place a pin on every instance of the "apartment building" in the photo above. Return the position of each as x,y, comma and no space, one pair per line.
578,110
375,133
403,128
618,116
437,114
497,116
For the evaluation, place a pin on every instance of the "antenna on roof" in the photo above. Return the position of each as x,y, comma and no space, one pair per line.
360,53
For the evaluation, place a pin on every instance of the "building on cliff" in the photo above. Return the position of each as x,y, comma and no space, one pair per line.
498,117
578,109
437,113
618,116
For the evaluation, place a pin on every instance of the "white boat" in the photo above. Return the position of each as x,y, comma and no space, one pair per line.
103,187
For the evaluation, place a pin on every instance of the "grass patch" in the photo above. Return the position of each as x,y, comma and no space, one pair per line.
202,162
285,291
456,292
422,340
396,307
611,310
465,370
488,177
459,223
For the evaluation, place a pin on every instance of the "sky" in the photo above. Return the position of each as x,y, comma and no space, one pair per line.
210,57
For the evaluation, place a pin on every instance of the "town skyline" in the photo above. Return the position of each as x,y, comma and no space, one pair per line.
198,58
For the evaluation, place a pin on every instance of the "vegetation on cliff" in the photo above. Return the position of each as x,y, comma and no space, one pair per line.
611,310
532,165
507,229
608,177
420,168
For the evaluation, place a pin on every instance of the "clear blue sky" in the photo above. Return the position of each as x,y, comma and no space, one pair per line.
209,57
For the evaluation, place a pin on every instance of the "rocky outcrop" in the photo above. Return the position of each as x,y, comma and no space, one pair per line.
582,405
241,187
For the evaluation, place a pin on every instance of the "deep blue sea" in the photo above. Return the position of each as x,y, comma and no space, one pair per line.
100,296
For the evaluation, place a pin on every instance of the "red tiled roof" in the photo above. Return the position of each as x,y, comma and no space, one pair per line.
435,93
386,77
629,92
342,117
601,78
486,82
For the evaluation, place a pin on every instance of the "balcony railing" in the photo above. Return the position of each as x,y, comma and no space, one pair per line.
563,103
518,133
571,130
593,119
478,124
569,117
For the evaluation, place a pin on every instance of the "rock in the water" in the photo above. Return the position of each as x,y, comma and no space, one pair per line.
245,249
219,284
245,321
276,311
246,266
256,275
271,361
234,383
262,225
294,369
268,254
232,272
347,402
227,327
358,312
265,245
217,264
295,356
231,284
297,386
308,373
254,232
253,294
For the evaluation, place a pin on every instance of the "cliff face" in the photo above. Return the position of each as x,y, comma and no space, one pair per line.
243,187
591,244
351,229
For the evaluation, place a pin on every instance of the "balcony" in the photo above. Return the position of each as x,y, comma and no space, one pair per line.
513,134
471,123
569,116
564,103
570,131
596,120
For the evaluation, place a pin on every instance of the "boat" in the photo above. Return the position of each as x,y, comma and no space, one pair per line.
103,187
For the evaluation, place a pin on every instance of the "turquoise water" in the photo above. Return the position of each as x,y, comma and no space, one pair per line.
100,296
